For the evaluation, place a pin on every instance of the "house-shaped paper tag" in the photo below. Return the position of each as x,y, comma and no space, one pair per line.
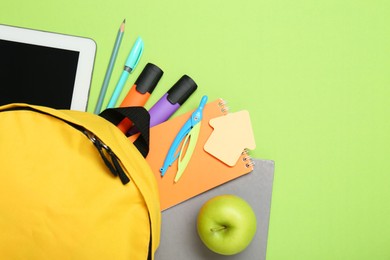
231,135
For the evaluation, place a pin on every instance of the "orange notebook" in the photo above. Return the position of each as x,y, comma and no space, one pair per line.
204,171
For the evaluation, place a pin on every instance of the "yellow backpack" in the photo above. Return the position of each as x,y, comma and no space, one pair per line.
60,195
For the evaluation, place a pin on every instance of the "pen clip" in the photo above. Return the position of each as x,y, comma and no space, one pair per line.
135,54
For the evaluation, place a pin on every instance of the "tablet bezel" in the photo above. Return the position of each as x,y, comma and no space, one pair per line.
85,46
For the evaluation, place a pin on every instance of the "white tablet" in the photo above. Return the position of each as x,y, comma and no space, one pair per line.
45,68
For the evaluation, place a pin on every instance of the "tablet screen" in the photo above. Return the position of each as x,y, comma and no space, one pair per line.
38,75
45,68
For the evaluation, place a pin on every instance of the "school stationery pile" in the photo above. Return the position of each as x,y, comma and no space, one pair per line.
194,152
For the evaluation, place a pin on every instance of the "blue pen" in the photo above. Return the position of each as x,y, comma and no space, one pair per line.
130,64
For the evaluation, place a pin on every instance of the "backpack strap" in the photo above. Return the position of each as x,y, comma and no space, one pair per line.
140,118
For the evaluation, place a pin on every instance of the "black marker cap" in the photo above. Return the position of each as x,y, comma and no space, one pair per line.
182,90
148,79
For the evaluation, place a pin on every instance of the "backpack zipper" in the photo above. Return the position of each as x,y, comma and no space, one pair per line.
108,156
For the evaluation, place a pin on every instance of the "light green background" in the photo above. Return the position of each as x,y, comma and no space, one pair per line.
314,76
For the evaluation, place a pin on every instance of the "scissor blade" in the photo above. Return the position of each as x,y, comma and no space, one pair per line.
185,157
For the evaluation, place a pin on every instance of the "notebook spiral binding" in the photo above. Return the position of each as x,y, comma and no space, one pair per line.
247,159
223,106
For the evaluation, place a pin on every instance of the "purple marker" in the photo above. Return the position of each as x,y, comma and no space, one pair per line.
171,101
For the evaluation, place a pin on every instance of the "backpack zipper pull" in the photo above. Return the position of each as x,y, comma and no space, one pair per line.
108,156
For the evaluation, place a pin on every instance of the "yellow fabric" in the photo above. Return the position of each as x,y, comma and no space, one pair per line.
58,198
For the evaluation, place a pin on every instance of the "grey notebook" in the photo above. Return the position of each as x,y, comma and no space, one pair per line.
179,238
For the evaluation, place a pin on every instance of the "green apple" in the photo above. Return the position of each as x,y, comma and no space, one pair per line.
226,224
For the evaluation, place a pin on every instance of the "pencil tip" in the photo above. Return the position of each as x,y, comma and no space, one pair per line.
122,28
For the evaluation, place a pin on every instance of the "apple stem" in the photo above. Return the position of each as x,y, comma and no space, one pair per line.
218,229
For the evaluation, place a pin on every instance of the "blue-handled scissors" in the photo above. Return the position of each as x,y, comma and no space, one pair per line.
189,133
